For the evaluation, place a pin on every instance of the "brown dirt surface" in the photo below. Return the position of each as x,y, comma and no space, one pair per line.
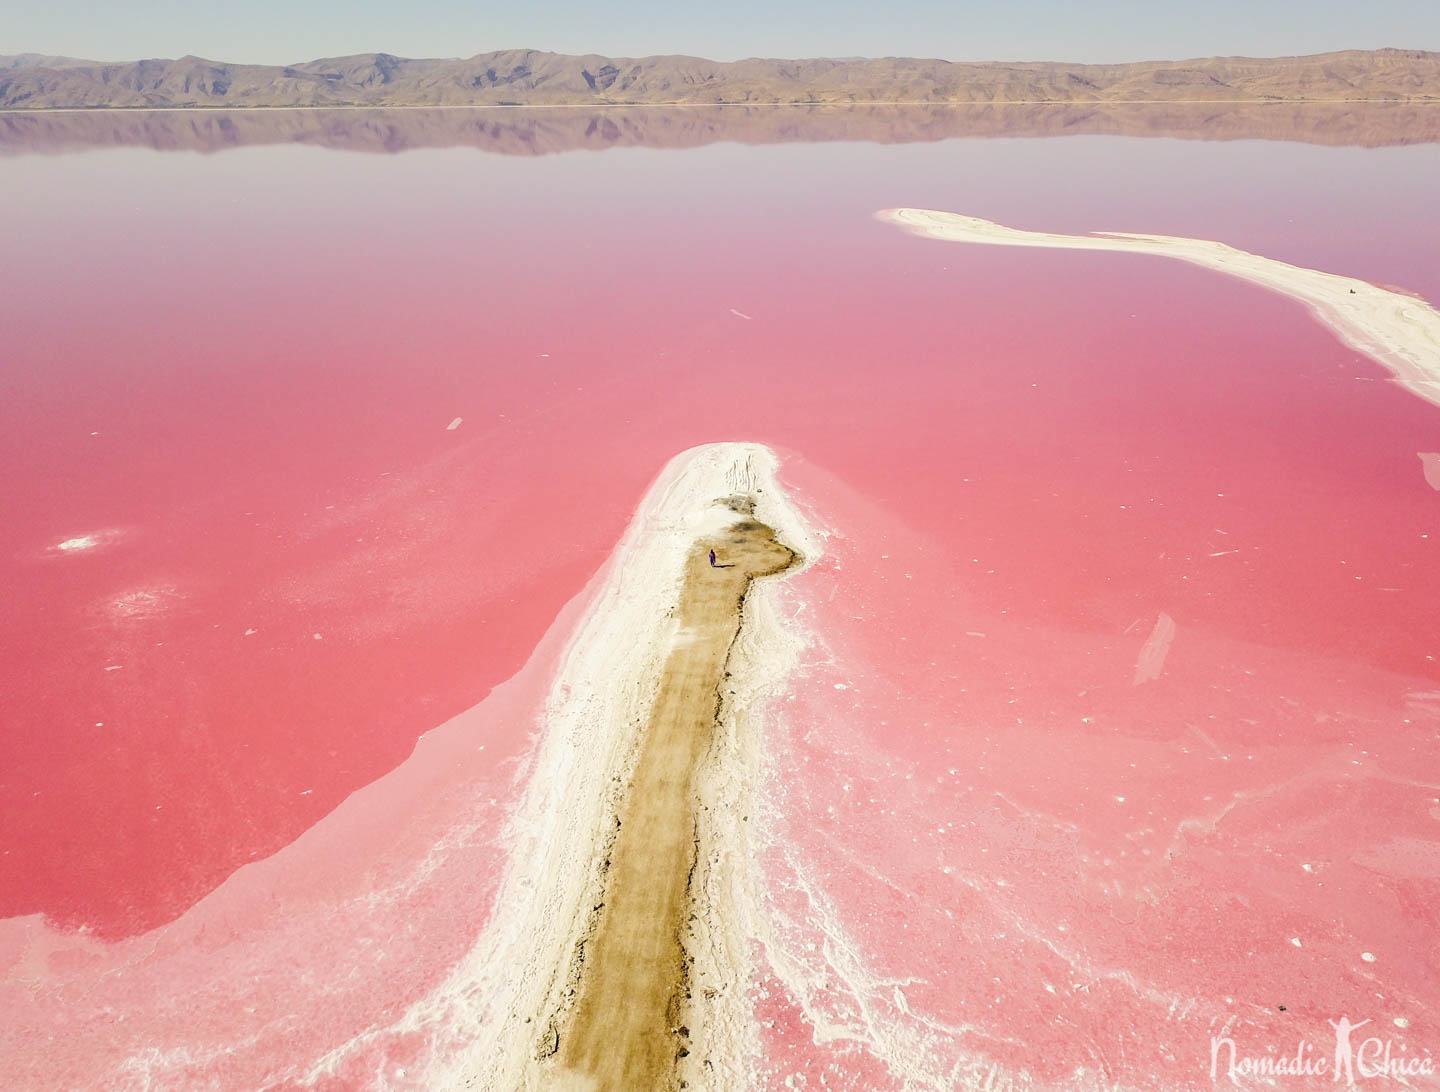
627,1028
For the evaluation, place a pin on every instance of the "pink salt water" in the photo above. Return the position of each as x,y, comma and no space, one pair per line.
249,563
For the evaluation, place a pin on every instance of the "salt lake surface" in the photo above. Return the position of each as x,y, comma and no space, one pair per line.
311,450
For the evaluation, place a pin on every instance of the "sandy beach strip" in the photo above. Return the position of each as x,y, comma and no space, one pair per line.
1398,331
502,1018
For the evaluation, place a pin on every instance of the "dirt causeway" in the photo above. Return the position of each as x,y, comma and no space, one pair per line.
627,1028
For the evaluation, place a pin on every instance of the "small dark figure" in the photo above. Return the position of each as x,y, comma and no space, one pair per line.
712,559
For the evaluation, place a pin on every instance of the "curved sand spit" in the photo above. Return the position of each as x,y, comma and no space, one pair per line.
512,1015
1398,331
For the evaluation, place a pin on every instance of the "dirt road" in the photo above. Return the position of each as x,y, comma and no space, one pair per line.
627,1028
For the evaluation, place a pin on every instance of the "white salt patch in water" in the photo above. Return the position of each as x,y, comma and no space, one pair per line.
1430,466
453,425
1151,660
83,544
739,314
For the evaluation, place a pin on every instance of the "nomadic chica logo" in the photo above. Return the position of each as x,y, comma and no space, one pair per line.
1351,1061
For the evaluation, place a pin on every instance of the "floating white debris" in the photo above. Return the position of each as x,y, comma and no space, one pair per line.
453,425
1368,957
80,542
739,314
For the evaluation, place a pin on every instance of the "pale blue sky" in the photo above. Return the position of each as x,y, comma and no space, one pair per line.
279,31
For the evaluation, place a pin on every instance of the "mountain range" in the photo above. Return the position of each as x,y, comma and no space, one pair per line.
525,77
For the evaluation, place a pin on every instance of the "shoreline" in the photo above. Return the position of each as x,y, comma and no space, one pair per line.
546,130
1400,332
686,104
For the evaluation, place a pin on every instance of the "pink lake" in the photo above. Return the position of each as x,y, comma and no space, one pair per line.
246,566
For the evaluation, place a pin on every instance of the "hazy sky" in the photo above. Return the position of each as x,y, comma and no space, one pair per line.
279,31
